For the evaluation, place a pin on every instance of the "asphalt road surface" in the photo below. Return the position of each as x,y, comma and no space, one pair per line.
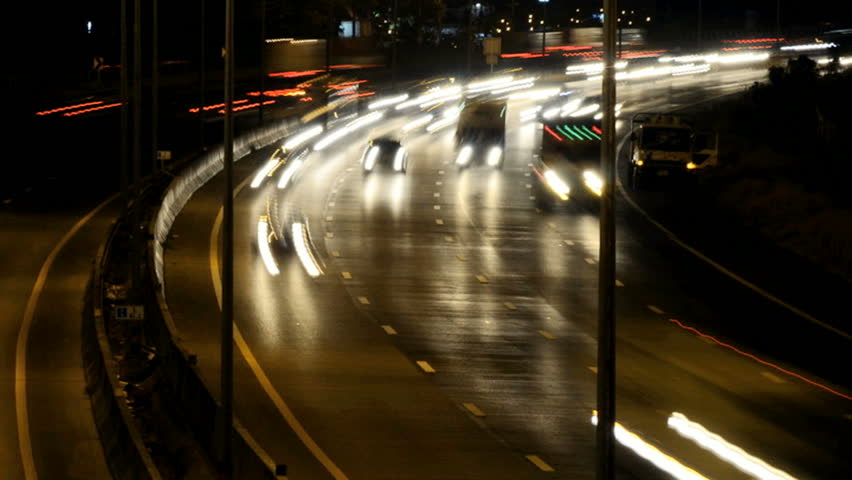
452,333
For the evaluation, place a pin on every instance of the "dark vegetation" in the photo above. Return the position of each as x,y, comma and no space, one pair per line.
787,161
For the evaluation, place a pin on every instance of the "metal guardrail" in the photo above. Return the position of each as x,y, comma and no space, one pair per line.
124,449
178,365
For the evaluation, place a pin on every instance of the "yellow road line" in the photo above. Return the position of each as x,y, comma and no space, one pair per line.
546,335
593,369
656,309
258,371
364,300
389,330
772,377
482,278
346,275
25,446
510,305
541,464
461,258
618,283
424,365
472,408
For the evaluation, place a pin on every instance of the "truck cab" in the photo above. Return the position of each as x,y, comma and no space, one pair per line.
481,133
667,145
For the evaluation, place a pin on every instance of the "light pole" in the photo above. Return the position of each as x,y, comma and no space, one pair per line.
227,336
605,437
700,13
394,39
544,25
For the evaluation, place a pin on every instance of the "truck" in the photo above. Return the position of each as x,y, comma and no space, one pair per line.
568,166
666,146
481,133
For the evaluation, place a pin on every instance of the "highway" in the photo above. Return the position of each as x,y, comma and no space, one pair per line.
452,333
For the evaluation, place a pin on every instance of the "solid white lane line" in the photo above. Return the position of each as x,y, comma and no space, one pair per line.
510,305
389,330
472,408
541,464
364,300
346,275
674,238
25,446
258,371
546,335
772,377
439,221
656,309
482,278
424,365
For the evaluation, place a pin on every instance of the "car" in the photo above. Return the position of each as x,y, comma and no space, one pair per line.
384,152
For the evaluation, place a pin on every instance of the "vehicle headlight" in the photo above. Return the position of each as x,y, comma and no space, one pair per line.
464,155
640,162
559,187
691,166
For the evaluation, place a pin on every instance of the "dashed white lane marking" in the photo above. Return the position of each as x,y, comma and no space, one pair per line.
527,174
439,221
593,369
547,335
335,253
334,190
529,186
329,218
482,278
449,239
424,365
440,172
331,204
541,464
364,300
349,169
389,330
510,305
656,309
618,283
436,194
532,197
439,183
437,207
772,377
473,409
529,165
552,225
569,243
461,258
329,234
591,261
346,275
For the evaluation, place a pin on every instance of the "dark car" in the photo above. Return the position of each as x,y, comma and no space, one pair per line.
384,153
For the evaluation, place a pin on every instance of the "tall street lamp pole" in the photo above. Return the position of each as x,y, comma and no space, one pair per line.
227,337
544,25
605,438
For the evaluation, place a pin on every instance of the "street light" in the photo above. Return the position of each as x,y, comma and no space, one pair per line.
544,24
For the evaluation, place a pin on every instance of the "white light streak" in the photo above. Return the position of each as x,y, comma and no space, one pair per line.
263,247
732,454
300,242
302,137
651,453
386,102
809,46
587,110
288,173
347,129
263,172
